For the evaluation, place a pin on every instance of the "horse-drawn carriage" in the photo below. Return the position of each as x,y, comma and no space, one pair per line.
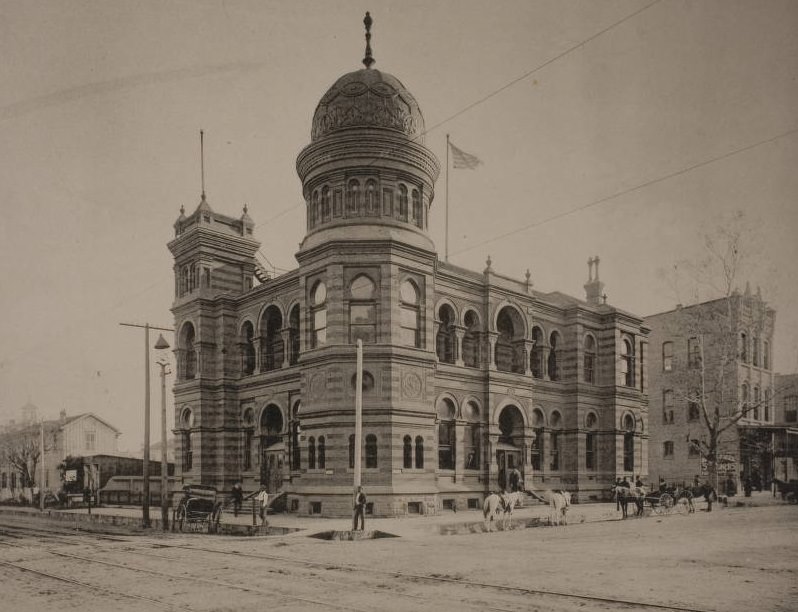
198,509
654,502
787,489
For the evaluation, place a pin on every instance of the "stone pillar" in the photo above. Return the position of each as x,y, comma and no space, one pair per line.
526,346
491,346
490,458
529,438
544,358
545,455
256,343
436,326
286,335
459,333
459,451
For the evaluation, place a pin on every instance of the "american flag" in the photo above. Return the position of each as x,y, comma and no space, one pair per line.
461,159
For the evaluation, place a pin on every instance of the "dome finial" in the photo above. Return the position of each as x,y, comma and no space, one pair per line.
368,60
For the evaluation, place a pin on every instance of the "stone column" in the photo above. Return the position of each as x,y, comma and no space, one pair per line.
286,335
545,454
256,342
436,326
529,438
526,346
544,358
459,451
459,333
490,458
491,346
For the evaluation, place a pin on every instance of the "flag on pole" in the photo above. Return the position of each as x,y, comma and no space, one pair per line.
461,159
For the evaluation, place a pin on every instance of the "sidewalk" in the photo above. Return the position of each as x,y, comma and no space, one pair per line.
448,522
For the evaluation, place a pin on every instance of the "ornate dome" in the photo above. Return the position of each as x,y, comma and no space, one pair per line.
368,98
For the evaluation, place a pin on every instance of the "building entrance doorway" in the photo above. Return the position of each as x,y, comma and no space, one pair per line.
271,468
511,467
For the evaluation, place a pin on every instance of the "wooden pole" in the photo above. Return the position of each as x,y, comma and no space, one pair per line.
41,458
358,414
446,214
145,502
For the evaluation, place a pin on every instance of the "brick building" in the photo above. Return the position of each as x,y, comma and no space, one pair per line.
729,340
466,374
786,421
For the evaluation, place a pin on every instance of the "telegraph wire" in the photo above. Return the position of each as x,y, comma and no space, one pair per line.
499,90
629,190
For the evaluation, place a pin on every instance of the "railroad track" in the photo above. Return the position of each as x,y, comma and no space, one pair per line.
145,549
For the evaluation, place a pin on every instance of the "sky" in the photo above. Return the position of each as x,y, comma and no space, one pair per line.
627,129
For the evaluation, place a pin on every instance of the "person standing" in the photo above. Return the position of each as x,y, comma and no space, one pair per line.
263,502
360,510
237,493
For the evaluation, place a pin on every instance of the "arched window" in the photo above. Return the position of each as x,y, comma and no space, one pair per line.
743,347
352,198
419,453
591,423
667,356
693,407
589,368
322,453
351,451
318,309
471,340
295,450
407,452
536,354
629,443
510,327
627,373
362,310
372,198
247,345
554,441
325,204
554,365
446,339
755,351
271,339
271,427
186,422
471,436
418,217
371,451
766,355
189,352
446,434
410,320
402,202
293,335
311,453
693,352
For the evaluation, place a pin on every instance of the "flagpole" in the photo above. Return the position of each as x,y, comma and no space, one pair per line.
446,214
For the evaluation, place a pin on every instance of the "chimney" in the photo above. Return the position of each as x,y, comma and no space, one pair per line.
594,288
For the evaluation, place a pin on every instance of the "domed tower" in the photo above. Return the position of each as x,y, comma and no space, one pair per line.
366,174
367,269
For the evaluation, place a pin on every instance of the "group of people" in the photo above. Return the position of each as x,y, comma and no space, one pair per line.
262,498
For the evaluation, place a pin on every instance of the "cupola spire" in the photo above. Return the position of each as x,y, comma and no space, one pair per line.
202,162
368,60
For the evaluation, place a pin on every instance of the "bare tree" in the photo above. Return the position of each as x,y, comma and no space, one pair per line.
21,451
717,346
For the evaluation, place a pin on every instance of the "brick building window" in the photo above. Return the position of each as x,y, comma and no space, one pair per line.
667,406
318,310
589,365
188,453
667,449
791,409
554,357
446,438
755,351
693,353
407,452
627,373
743,347
667,356
249,435
311,453
766,355
419,453
554,450
471,340
693,408
591,422
321,452
90,438
766,405
629,443
445,339
352,198
247,348
402,202
362,310
410,319
371,451
351,451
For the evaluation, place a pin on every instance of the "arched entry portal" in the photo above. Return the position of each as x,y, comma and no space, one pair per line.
510,448
272,448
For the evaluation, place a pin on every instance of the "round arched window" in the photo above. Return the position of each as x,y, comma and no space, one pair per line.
362,288
319,294
408,292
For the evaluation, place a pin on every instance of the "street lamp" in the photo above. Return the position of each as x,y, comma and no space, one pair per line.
162,345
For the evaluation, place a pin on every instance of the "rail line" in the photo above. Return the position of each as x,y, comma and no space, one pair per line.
405,576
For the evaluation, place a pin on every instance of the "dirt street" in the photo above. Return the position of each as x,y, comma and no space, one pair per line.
738,559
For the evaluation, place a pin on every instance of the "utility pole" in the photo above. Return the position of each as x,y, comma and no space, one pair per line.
145,501
358,412
164,365
41,455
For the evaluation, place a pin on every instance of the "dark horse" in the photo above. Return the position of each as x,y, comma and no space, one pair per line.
625,494
702,490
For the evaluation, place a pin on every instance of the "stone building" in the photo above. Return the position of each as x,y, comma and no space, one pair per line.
730,341
785,450
467,374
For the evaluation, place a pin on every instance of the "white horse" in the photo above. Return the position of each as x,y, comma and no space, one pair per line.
558,501
498,506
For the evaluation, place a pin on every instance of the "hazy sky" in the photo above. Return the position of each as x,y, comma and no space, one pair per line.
101,103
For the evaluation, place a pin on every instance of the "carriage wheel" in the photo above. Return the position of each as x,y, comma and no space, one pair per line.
180,516
666,503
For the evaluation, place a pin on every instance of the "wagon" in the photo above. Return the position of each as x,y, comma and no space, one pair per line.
665,502
787,490
197,510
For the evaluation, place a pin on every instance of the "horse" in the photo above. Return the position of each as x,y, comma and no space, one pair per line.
624,494
684,495
497,505
707,492
559,502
